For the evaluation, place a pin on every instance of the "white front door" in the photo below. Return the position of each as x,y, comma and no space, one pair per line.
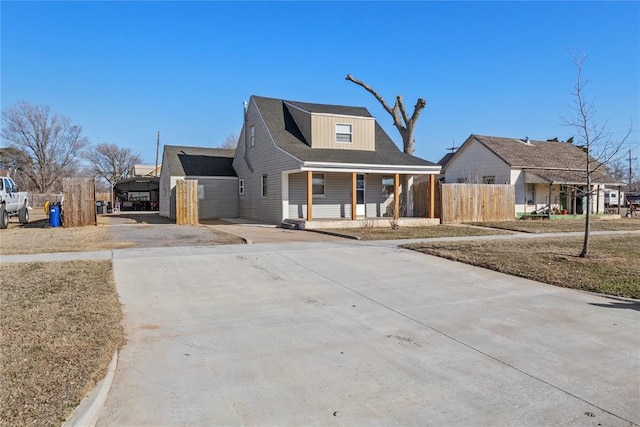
360,206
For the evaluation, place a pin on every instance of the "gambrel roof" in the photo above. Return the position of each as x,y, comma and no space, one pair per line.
197,161
288,137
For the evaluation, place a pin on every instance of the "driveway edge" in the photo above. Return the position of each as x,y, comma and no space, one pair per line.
88,411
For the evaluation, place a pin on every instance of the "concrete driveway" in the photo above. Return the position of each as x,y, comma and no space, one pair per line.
358,333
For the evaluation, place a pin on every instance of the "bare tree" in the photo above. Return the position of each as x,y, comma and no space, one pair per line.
51,144
231,142
111,162
599,146
401,120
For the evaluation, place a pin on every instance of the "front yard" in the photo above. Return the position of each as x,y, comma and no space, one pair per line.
612,267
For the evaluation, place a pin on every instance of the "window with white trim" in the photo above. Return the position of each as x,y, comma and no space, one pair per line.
387,185
241,186
253,135
317,184
344,133
264,185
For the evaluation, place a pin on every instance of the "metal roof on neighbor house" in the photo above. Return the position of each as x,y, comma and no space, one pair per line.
197,161
288,136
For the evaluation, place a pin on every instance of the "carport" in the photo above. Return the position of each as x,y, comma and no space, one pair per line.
138,194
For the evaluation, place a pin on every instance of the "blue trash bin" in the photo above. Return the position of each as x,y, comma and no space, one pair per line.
54,215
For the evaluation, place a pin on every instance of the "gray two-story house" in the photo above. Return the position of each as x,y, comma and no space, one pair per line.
303,162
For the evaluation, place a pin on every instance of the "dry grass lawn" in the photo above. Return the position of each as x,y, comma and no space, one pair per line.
612,268
60,325
565,225
386,233
35,237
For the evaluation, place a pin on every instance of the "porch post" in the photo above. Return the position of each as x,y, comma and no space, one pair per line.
432,196
396,199
550,187
309,196
353,196
619,199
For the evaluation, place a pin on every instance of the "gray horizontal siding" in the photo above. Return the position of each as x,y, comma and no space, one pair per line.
220,198
337,200
267,159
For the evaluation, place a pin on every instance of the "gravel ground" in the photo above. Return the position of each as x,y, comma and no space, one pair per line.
150,230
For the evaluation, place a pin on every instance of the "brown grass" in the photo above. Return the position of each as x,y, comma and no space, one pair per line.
386,233
565,225
60,324
612,268
35,237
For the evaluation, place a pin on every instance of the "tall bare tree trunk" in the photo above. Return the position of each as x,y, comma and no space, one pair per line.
405,125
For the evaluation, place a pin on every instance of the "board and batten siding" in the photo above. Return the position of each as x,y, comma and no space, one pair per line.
220,197
336,202
475,162
266,159
323,132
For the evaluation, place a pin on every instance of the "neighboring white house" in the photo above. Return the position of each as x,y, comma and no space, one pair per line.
217,181
543,172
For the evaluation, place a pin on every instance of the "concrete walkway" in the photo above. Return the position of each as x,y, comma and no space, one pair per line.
358,333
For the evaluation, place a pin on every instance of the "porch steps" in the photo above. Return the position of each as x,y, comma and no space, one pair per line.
289,225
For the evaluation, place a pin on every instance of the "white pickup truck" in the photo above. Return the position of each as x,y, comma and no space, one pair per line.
12,202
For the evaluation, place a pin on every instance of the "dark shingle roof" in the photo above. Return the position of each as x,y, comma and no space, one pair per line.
332,109
535,156
287,136
197,161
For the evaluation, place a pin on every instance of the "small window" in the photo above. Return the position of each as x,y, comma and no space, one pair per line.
387,185
317,183
343,133
241,186
253,135
489,179
264,185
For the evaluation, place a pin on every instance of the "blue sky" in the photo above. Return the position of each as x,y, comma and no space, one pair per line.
125,70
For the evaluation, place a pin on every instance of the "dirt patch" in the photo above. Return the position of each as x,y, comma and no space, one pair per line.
612,268
38,237
112,232
59,324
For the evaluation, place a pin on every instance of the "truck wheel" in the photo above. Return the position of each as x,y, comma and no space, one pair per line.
4,218
23,215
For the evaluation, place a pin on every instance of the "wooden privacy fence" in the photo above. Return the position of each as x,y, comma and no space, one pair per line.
79,205
476,203
38,200
187,201
421,200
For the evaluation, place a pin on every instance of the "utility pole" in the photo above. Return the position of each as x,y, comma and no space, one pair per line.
630,173
155,171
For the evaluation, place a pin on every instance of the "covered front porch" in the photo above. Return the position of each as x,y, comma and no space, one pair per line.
329,198
554,192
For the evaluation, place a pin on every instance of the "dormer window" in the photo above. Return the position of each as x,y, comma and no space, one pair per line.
344,133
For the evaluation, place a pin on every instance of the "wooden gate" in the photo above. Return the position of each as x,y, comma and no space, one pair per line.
79,203
421,208
187,201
